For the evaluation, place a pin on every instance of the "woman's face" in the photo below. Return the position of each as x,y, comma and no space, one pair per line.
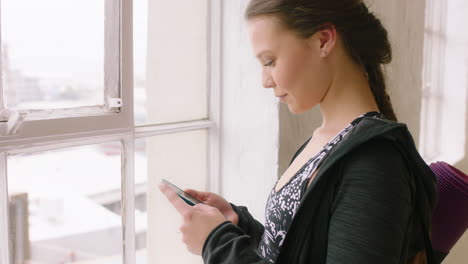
291,65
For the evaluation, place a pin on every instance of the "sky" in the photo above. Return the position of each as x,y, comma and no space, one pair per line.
63,38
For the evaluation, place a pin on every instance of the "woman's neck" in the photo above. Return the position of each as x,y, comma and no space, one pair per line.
348,97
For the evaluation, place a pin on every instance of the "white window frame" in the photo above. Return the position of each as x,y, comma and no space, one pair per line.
73,123
443,129
433,80
88,125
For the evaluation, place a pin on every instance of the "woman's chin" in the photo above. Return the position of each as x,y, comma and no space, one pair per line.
297,110
294,110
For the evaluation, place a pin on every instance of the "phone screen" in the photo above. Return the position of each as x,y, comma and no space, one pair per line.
183,195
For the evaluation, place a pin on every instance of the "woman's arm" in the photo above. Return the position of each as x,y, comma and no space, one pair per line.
228,244
371,213
239,215
209,232
248,224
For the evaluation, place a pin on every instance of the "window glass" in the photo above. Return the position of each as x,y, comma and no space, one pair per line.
52,53
445,91
66,204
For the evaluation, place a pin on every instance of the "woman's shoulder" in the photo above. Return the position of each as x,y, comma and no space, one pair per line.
388,160
378,153
379,140
374,172
374,141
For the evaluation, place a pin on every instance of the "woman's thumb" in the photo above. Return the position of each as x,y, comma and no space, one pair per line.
197,194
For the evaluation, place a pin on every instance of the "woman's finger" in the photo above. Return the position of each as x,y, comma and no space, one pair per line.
181,206
202,196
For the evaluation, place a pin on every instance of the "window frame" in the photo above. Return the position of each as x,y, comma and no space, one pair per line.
85,125
433,79
114,116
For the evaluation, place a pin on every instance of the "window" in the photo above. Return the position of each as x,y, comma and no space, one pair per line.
71,215
64,67
94,112
445,91
435,43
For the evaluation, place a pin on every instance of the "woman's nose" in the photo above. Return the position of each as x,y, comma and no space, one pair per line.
267,81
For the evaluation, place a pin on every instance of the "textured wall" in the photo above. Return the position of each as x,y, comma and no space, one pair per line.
295,129
404,21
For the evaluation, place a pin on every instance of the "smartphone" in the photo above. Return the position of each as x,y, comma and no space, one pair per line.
189,199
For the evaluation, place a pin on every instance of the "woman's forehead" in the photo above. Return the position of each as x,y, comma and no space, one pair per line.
265,32
264,23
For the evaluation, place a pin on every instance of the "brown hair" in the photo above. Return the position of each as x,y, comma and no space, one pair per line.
364,37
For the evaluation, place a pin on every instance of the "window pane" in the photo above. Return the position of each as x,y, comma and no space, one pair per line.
140,39
65,205
181,159
445,77
176,76
53,53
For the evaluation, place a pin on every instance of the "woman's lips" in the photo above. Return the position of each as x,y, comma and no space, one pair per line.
282,98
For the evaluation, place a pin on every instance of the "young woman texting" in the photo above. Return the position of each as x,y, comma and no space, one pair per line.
357,191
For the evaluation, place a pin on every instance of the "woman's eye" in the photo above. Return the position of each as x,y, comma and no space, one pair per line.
268,63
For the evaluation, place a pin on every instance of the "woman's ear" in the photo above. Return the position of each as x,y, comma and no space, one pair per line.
325,40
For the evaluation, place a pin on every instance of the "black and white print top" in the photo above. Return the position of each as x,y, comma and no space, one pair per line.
282,205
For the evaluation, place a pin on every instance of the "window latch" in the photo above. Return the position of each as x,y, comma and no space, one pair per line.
114,102
10,122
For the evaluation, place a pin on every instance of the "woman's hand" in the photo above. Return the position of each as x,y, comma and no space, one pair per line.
198,220
217,201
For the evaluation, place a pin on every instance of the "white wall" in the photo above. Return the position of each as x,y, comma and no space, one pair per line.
176,91
249,129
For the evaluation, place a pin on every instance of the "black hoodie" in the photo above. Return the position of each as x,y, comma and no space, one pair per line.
359,208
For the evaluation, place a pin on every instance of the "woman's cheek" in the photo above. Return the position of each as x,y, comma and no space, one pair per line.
282,79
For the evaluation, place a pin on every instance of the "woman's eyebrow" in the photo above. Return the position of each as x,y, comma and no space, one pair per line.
259,55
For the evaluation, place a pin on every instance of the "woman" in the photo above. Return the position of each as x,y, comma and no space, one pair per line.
357,191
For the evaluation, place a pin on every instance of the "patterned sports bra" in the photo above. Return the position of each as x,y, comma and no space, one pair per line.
282,205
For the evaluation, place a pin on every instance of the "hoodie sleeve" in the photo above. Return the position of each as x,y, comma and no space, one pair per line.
371,212
229,244
248,224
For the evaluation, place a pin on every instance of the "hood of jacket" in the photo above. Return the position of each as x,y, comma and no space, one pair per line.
318,200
